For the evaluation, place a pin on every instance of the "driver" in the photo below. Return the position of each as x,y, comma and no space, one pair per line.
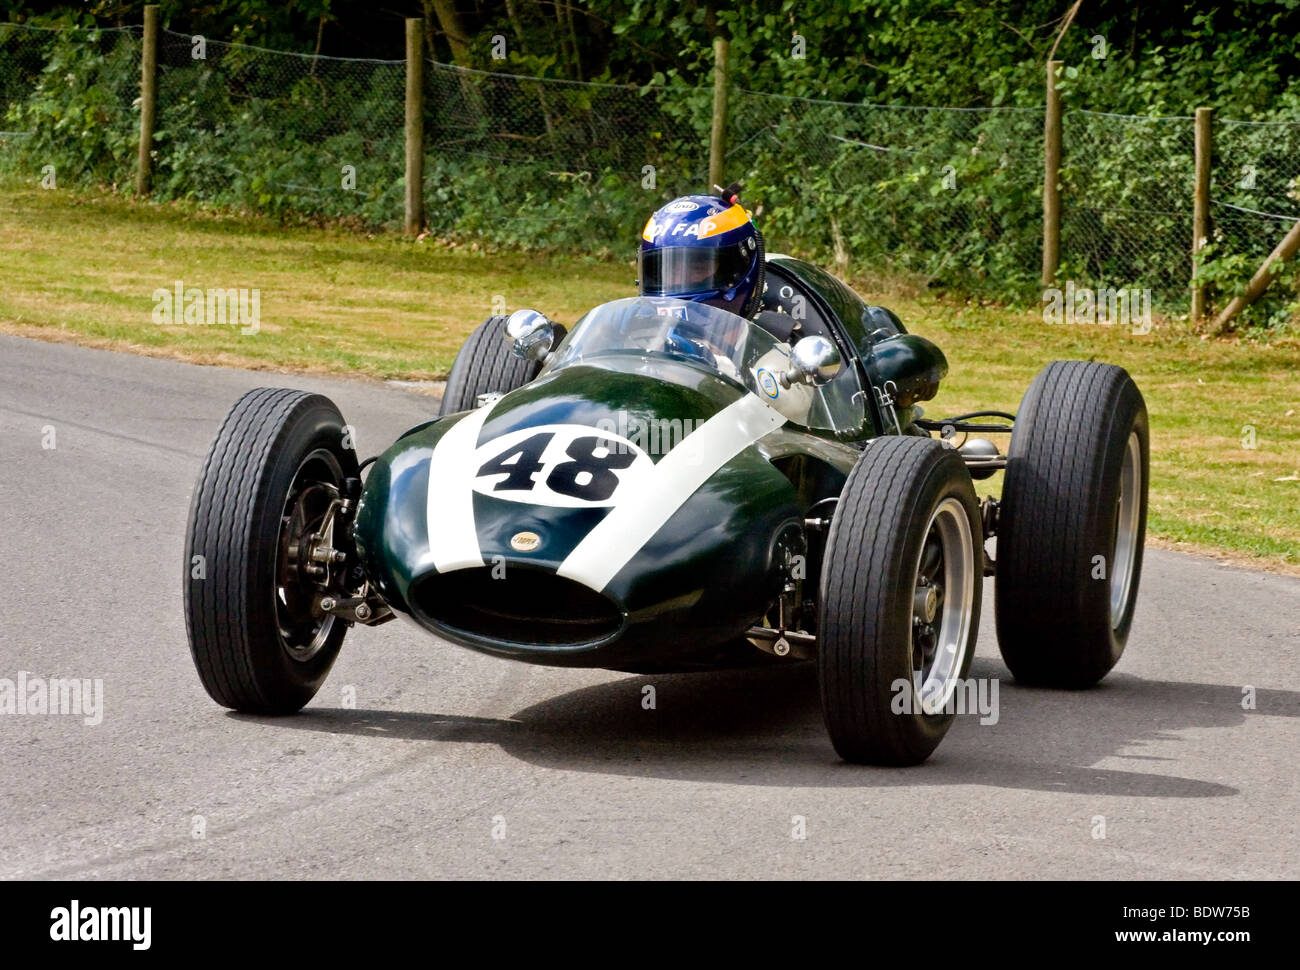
706,249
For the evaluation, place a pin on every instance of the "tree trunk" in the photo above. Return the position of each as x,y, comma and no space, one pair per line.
573,40
517,25
562,38
453,28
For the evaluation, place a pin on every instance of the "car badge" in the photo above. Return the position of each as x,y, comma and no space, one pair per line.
525,541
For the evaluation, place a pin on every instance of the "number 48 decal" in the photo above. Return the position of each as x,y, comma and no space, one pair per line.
588,475
558,465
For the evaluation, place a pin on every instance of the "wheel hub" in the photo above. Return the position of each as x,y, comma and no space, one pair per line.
306,525
926,602
940,626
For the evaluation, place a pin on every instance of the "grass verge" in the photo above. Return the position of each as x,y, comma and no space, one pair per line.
1225,415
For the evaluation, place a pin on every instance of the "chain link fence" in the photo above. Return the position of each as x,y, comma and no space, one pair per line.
21,60
949,197
1257,185
558,163
241,126
1126,188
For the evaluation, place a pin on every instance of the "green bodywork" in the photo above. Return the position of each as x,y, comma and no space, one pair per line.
713,568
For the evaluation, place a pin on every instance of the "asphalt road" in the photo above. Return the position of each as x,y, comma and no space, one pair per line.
455,765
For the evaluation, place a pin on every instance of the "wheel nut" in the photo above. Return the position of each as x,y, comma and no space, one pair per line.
327,603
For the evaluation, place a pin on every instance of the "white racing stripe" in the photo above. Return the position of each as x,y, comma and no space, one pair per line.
453,535
643,509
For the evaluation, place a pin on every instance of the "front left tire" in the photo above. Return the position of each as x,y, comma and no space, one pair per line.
899,603
258,637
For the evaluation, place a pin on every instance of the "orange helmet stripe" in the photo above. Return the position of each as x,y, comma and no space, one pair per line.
732,218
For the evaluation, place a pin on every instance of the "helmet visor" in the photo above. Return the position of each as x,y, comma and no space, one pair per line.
681,270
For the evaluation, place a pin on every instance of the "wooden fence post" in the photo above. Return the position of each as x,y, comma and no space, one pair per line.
1200,209
414,126
1283,253
148,97
718,132
1051,178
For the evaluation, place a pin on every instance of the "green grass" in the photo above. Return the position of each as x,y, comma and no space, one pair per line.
83,268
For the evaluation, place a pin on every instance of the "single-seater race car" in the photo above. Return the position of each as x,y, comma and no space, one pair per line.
670,486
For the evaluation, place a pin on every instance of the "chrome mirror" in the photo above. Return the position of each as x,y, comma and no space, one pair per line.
813,360
530,335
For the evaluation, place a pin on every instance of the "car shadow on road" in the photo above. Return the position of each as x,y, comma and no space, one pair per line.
763,727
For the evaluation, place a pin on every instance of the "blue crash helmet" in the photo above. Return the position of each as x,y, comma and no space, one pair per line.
703,248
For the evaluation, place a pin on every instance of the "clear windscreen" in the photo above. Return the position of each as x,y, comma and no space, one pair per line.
653,330
694,333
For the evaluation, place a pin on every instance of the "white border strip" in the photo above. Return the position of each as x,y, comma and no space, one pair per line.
453,534
643,509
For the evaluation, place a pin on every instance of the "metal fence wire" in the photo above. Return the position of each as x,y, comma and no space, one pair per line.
1256,186
565,163
948,196
22,58
1126,188
243,126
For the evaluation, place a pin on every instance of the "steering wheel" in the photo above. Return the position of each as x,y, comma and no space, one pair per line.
691,346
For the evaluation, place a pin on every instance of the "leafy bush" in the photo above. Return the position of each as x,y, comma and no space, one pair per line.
81,110
837,166
1225,275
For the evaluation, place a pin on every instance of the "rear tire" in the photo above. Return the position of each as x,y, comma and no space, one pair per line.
1072,524
484,365
907,523
259,641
